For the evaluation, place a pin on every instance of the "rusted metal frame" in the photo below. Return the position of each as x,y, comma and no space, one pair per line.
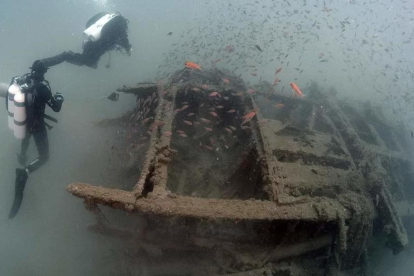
175,205
164,142
338,135
268,160
139,187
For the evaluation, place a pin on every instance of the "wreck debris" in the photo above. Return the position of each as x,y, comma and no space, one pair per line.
309,166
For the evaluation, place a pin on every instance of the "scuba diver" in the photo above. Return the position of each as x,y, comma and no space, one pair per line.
37,95
30,93
104,32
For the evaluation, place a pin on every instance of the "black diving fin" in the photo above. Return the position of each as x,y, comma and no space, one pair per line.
21,179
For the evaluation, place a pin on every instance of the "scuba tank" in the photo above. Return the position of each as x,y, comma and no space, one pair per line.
93,32
11,92
18,96
20,116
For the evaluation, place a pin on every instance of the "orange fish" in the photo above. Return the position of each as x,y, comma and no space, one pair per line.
248,117
296,89
226,81
192,65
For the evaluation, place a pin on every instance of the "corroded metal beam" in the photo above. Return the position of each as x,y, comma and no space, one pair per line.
174,205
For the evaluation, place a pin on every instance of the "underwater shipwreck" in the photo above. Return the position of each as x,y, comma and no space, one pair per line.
302,186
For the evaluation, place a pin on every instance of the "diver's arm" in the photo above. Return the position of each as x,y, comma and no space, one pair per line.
124,42
55,101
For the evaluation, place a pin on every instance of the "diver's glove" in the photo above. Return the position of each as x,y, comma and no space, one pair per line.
129,50
59,97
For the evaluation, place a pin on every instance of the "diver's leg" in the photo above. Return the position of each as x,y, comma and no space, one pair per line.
21,157
42,145
55,60
75,58
21,179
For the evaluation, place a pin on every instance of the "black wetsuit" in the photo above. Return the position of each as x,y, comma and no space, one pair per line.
113,33
36,126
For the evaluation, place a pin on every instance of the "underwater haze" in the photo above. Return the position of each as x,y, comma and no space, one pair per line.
362,50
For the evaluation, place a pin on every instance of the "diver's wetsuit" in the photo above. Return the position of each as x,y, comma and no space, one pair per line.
36,126
113,33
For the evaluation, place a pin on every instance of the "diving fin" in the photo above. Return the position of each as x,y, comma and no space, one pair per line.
21,179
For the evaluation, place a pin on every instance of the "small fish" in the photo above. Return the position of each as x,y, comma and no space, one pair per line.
207,121
226,81
231,111
183,135
228,130
195,89
208,147
324,60
253,74
170,33
214,94
251,91
192,65
296,89
208,128
278,71
180,131
219,107
276,82
190,114
215,61
229,48
258,48
168,133
188,122
279,105
204,86
248,117
184,107
226,98
214,114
